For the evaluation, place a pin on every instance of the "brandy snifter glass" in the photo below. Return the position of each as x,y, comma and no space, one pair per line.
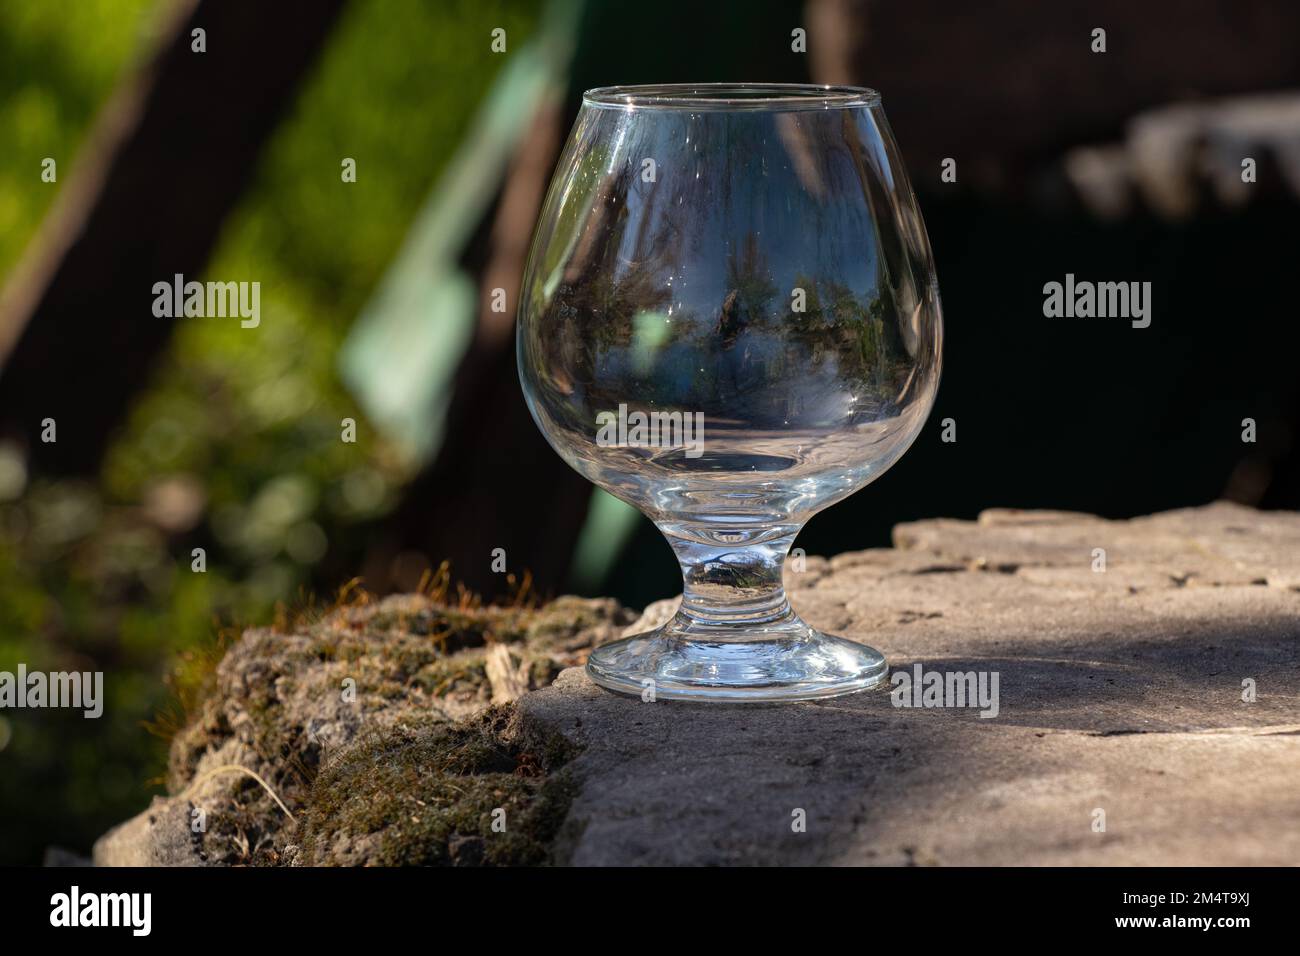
729,319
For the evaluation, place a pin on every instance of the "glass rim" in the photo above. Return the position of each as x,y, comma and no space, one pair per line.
730,96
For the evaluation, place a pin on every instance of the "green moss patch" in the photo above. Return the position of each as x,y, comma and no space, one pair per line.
429,793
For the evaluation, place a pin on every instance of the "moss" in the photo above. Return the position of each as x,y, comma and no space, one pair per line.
561,618
542,671
382,622
246,832
325,650
428,793
458,628
464,672
403,783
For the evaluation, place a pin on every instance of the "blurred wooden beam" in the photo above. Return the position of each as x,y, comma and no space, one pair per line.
168,158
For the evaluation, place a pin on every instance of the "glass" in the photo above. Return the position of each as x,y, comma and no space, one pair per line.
729,319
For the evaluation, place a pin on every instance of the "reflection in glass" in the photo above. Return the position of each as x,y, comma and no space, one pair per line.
730,320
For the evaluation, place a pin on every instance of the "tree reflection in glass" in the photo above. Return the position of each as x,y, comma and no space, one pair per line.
729,319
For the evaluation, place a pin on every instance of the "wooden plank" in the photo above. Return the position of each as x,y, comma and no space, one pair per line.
168,158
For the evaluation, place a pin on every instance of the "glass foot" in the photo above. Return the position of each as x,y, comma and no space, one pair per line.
806,665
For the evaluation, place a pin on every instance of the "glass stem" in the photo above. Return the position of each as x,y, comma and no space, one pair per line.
728,588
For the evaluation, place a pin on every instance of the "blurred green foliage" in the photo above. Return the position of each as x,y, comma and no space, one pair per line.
58,62
235,446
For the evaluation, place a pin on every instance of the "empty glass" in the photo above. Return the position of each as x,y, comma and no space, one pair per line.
729,319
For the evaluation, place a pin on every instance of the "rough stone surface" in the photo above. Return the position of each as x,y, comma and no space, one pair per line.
1120,691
